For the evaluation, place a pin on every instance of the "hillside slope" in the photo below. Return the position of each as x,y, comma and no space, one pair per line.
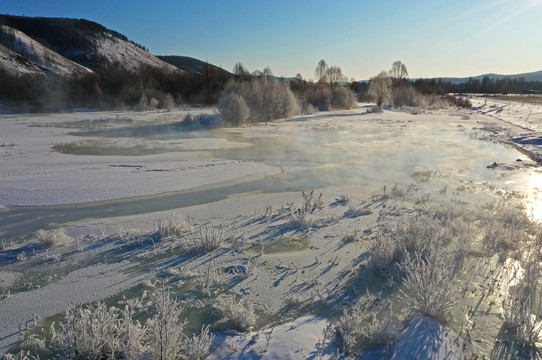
86,42
14,64
38,59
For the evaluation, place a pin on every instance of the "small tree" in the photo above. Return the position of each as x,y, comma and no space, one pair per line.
267,72
398,71
321,71
240,71
380,89
165,329
334,75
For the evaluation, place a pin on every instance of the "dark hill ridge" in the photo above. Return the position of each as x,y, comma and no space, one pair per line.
193,64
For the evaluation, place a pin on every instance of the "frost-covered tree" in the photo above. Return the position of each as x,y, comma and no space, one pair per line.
165,328
265,98
321,71
267,72
398,71
97,332
334,75
380,89
233,109
240,71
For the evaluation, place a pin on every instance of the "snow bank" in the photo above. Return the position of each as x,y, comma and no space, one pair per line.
296,340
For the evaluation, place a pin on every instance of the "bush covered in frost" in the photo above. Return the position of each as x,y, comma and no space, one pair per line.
257,100
52,238
238,313
331,98
97,331
429,283
233,109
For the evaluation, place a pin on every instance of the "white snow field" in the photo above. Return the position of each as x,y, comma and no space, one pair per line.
140,201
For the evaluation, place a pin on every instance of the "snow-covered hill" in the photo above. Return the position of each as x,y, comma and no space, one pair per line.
83,42
14,64
126,54
23,55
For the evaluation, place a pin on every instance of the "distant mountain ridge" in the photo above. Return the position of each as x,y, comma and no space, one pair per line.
529,76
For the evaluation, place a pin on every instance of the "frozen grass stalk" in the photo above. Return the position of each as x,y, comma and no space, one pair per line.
208,239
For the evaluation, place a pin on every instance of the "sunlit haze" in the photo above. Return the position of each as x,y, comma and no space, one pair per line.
434,38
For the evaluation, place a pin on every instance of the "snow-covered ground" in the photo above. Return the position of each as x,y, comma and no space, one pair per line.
301,277
33,174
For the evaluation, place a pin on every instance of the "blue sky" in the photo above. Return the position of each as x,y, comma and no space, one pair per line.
434,38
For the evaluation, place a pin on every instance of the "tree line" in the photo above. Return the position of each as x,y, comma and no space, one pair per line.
116,87
485,86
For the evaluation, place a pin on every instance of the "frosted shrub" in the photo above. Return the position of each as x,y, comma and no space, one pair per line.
198,346
308,109
22,355
405,95
300,217
312,204
166,340
89,332
171,229
100,332
169,103
52,238
207,239
505,228
320,98
348,328
421,234
342,98
233,109
383,250
380,89
153,103
132,333
213,277
129,236
382,332
239,314
352,237
459,102
265,98
332,98
429,284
